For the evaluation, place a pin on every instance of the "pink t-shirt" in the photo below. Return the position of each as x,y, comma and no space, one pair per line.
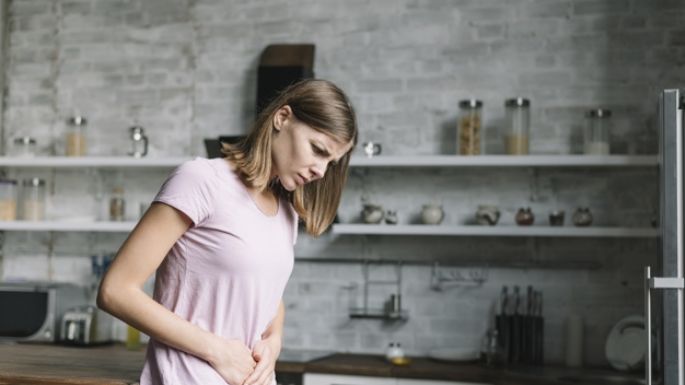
226,274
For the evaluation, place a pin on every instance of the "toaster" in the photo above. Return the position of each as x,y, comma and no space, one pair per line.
86,325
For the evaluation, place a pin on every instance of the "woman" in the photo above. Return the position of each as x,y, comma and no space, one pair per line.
220,235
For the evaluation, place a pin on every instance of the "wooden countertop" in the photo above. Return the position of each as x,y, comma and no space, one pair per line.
42,364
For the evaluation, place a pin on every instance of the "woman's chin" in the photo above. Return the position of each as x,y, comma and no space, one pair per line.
290,186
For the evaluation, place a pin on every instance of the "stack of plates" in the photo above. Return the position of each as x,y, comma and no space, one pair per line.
626,345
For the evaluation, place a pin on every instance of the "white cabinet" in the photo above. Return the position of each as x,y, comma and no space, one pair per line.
339,379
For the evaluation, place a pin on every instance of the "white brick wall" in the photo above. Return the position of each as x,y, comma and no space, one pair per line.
186,70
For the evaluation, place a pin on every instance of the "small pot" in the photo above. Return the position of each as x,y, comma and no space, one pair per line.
391,217
372,214
556,218
525,217
432,214
582,217
487,215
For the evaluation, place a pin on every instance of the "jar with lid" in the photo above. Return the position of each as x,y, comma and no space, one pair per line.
76,136
117,205
8,199
596,135
516,139
138,142
33,199
469,136
23,146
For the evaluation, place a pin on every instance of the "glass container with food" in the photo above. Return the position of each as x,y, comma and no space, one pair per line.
516,136
469,137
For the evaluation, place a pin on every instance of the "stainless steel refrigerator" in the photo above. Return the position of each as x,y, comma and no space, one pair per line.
664,282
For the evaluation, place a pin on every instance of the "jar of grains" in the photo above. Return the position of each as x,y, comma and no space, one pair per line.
469,138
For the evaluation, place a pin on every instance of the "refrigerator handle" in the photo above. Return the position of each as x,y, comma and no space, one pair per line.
648,326
657,283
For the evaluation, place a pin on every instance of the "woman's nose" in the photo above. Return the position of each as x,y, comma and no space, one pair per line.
319,170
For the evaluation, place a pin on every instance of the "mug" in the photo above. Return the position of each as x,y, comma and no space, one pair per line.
371,149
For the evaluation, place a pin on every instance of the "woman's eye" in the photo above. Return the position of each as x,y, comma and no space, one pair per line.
318,150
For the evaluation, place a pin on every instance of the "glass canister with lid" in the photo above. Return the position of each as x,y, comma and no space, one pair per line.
76,136
23,146
596,134
33,199
8,199
516,136
469,137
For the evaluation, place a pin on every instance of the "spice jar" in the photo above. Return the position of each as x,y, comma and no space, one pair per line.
117,205
33,199
8,199
596,135
76,136
518,126
469,130
138,142
23,146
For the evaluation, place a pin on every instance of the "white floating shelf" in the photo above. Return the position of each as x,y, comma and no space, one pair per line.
504,161
356,161
496,231
90,161
67,225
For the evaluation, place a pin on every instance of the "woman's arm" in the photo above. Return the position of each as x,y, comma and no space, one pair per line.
121,294
267,350
274,333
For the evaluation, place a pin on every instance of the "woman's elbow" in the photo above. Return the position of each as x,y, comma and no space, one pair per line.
105,297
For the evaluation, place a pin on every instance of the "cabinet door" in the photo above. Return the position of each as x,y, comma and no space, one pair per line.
403,381
338,379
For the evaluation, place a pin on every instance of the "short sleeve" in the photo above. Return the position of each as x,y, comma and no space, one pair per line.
189,189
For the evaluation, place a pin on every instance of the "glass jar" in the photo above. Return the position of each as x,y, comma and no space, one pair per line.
33,199
23,146
516,138
469,139
76,136
596,135
138,142
8,199
117,205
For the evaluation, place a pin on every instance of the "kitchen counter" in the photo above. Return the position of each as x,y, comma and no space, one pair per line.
42,364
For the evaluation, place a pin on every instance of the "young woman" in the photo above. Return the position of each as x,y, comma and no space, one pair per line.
220,235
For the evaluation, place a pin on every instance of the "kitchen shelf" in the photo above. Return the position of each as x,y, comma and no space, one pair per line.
356,161
496,231
91,161
506,161
68,225
361,313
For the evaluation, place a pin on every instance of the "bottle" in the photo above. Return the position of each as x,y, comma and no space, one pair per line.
596,134
138,142
8,199
469,138
516,138
33,199
76,136
117,205
132,338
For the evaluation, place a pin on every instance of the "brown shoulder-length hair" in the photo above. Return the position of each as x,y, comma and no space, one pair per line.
323,106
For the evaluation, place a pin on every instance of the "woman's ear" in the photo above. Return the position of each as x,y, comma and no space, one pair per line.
281,117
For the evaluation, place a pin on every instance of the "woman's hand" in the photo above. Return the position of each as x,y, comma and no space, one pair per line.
232,360
265,352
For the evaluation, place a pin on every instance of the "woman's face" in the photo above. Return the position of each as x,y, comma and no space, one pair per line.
301,154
